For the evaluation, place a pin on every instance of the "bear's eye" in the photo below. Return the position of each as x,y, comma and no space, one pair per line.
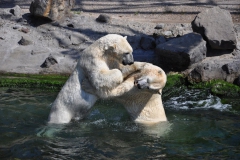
160,72
126,53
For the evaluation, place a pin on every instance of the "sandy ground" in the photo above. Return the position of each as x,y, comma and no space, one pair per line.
167,11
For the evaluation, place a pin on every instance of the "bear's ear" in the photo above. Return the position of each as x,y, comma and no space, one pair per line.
112,48
125,37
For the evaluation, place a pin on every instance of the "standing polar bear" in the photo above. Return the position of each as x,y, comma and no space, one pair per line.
144,105
105,64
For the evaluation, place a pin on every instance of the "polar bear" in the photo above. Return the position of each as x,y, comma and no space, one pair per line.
144,105
105,64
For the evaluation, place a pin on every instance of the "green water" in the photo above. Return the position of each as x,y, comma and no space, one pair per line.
199,127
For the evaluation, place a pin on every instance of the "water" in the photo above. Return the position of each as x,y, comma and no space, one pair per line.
199,127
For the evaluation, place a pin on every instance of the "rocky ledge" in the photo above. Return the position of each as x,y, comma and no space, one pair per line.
207,49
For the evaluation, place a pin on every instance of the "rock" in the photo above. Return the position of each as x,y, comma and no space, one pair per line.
160,26
160,40
225,67
178,54
70,25
144,55
16,11
22,21
173,30
25,30
49,62
103,18
216,27
236,53
168,34
147,42
237,81
16,27
134,41
24,41
5,14
64,43
56,10
76,38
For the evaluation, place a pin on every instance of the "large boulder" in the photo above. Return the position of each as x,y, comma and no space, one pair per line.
216,27
147,43
178,54
225,67
55,10
144,55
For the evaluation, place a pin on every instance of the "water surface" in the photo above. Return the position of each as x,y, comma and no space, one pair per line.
199,127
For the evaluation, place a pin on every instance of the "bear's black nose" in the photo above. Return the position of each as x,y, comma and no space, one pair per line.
139,86
130,63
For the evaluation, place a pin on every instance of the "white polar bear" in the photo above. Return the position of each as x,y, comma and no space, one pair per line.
104,64
144,105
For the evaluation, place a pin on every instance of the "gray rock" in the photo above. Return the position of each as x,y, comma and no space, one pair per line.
5,14
178,54
160,40
221,68
25,30
173,30
144,55
134,41
147,43
56,10
70,25
16,11
16,27
49,61
237,81
216,27
24,41
160,26
76,38
168,34
103,18
64,43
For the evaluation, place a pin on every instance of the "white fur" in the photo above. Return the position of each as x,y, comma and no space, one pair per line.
99,64
144,105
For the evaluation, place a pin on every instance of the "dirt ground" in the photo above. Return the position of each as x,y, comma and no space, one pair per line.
167,11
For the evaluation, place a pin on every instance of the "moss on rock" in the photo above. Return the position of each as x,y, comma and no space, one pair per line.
233,101
53,82
175,82
219,88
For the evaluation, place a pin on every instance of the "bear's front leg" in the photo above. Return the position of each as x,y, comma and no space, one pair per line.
87,87
130,69
105,79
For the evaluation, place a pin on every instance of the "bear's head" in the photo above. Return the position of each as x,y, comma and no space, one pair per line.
152,78
117,49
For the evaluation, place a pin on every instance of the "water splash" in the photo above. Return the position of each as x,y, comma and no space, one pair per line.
196,99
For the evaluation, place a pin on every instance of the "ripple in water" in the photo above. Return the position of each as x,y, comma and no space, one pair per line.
199,127
196,99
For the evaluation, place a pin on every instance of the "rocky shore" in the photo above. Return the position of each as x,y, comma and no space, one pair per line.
36,45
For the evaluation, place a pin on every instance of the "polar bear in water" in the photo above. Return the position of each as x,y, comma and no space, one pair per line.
104,64
140,94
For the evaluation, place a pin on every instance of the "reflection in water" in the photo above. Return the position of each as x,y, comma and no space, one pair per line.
50,130
199,127
157,130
